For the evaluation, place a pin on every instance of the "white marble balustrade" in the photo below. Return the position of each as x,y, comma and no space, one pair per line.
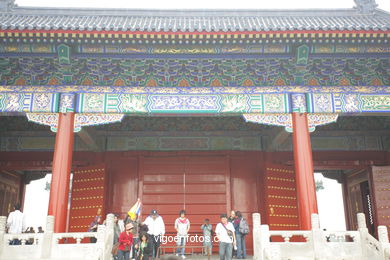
318,244
50,245
268,245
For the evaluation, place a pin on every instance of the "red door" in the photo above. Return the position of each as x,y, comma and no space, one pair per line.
380,184
281,197
88,195
200,185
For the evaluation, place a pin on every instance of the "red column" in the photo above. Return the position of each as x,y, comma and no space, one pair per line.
303,161
62,165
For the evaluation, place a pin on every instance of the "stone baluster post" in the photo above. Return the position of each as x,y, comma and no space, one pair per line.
362,225
261,237
318,241
383,237
109,236
256,235
383,234
363,231
315,221
3,222
264,241
100,243
47,240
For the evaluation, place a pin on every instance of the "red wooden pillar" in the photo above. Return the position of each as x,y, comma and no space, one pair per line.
62,165
303,162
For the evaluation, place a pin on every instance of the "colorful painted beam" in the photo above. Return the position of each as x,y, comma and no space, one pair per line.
195,102
182,103
29,102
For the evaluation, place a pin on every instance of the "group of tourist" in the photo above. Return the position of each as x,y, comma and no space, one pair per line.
141,240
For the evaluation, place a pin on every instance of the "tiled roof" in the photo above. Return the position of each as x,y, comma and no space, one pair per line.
23,18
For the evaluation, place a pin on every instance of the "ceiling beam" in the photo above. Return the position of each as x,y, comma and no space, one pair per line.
89,137
335,133
277,139
267,133
27,133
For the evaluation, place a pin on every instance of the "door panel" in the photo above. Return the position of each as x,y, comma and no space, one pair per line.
357,189
197,184
10,186
166,177
162,177
381,192
176,198
203,188
88,196
281,197
166,188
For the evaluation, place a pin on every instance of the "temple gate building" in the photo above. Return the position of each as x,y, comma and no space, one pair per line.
207,110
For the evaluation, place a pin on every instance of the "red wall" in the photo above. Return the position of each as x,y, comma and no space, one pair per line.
244,173
122,183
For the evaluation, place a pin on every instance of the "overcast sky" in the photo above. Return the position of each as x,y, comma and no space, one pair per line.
202,4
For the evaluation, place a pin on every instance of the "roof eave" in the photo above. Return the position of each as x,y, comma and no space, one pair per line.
180,12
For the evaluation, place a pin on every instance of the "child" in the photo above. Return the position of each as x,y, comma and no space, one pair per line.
145,249
207,236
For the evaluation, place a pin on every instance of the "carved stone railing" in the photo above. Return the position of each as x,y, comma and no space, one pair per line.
50,245
319,244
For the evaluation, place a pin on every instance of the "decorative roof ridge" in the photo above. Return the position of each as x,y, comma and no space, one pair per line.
365,6
383,13
8,6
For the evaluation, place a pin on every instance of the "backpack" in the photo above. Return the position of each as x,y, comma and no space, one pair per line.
243,227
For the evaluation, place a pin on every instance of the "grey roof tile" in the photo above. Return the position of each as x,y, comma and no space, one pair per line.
191,20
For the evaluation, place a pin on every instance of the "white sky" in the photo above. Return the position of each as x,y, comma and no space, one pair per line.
200,4
36,203
330,205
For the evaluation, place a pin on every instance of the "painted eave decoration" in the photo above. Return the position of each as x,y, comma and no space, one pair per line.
285,120
87,119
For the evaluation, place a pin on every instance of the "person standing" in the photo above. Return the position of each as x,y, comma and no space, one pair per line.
207,229
93,227
226,237
240,235
133,219
16,223
125,243
117,228
232,219
182,226
156,229
117,232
